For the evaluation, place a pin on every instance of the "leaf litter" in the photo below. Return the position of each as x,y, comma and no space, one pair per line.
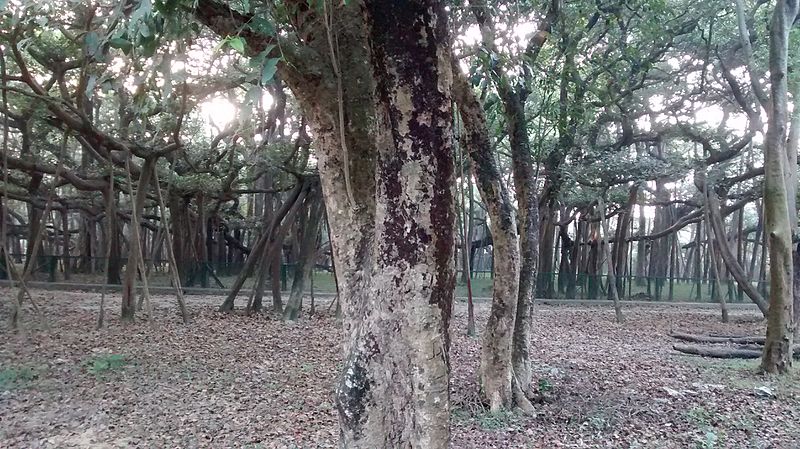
229,380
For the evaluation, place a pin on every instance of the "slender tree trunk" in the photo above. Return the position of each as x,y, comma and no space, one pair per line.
641,246
65,244
621,238
466,239
173,268
305,262
522,166
728,257
715,269
612,281
134,254
262,245
496,370
267,210
698,261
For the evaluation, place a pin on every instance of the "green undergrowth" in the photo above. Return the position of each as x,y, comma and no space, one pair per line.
105,364
17,377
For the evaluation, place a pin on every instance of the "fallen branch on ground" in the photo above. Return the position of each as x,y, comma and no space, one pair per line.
717,339
726,352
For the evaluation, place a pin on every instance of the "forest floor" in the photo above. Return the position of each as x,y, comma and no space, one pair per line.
256,382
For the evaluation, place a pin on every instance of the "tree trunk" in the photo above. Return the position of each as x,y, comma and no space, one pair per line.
727,353
612,281
398,276
181,238
466,237
376,92
306,257
129,286
262,245
728,257
496,370
621,238
715,269
65,244
522,166
267,211
779,225
566,263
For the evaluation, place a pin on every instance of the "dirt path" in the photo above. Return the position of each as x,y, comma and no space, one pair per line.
235,381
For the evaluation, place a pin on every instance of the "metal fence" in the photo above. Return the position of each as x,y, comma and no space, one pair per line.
80,270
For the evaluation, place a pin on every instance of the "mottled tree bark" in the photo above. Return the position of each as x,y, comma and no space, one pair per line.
779,225
377,96
394,388
496,370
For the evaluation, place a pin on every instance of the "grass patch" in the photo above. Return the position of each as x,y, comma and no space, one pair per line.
495,421
743,374
483,417
16,377
107,363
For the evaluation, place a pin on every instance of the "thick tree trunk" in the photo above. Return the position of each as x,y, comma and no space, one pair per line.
398,285
376,93
779,225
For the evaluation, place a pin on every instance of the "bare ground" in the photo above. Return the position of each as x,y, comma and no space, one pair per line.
256,382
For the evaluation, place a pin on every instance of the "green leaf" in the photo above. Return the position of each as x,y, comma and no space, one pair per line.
253,95
90,85
237,43
120,43
148,46
144,30
145,8
268,72
262,26
92,41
